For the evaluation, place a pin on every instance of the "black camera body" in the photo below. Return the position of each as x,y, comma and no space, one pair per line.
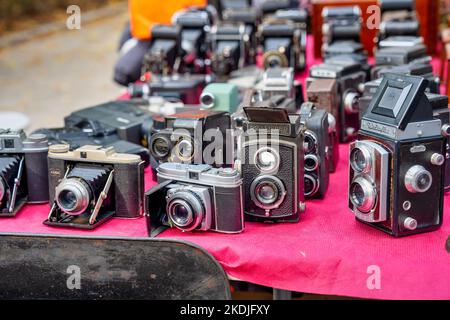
231,46
183,138
195,198
194,23
441,111
272,165
317,152
127,118
23,171
323,93
341,23
283,43
349,77
397,164
165,49
396,56
186,88
91,184
398,19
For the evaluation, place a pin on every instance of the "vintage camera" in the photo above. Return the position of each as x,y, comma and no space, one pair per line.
398,18
283,44
414,69
248,16
127,118
182,138
439,103
323,93
341,23
77,138
23,171
195,198
370,88
280,82
220,97
194,23
164,52
349,77
397,164
402,55
272,165
231,48
348,52
91,184
186,88
316,148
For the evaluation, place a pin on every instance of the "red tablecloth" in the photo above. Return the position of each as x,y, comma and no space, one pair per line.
327,252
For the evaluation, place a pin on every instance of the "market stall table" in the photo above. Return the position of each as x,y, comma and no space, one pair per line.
327,252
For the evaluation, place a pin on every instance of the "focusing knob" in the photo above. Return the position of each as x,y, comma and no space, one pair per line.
418,179
410,223
59,148
437,159
37,137
446,130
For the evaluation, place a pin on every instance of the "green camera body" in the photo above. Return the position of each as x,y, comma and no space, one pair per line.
220,97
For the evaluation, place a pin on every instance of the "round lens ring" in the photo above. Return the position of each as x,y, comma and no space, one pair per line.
207,100
267,159
267,192
160,147
310,142
418,179
360,159
311,162
73,196
311,185
184,209
185,150
362,195
181,213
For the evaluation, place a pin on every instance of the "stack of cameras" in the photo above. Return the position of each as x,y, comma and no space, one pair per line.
223,154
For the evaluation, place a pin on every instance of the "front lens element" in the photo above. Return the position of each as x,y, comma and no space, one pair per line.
360,159
185,150
160,147
73,196
181,214
311,162
311,185
185,210
362,195
207,100
267,192
267,159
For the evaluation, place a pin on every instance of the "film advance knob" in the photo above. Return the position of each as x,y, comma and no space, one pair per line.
437,159
446,130
59,148
410,223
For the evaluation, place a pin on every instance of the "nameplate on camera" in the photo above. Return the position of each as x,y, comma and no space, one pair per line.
379,128
281,129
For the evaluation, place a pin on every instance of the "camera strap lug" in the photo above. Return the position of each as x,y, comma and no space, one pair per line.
102,197
12,202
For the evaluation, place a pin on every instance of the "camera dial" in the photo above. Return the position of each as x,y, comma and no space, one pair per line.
267,192
363,195
360,159
267,159
184,209
73,196
418,179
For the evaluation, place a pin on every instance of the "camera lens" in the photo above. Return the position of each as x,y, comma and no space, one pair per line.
351,102
310,142
267,159
267,192
362,195
73,196
182,215
274,62
160,147
418,179
360,159
185,150
311,185
185,210
311,162
207,100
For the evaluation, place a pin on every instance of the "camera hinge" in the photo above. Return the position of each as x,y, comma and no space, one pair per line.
53,209
17,180
101,198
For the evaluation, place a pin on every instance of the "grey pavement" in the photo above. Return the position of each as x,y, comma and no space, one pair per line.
51,76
